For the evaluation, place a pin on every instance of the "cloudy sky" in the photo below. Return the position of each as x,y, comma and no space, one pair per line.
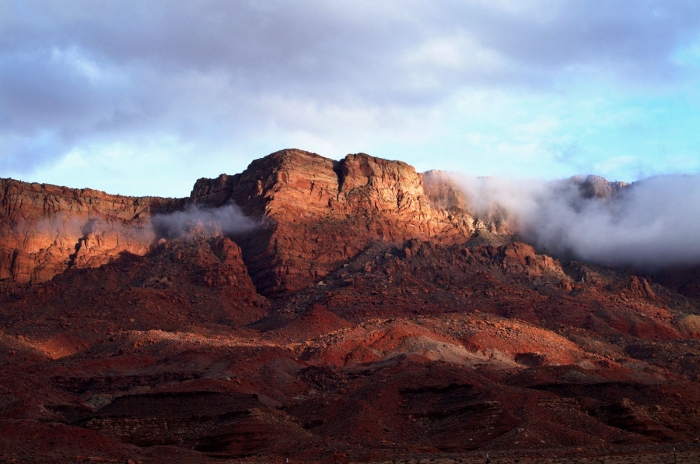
144,97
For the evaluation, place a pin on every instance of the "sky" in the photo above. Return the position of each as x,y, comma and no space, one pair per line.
143,98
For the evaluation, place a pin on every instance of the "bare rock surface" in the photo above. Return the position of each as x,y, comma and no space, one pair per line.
317,213
368,317
45,229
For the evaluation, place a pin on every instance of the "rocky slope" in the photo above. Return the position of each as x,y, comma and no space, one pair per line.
314,214
368,318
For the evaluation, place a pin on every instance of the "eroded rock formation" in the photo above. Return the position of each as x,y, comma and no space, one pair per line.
396,326
45,229
317,213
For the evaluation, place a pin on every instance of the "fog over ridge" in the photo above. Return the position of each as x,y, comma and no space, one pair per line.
228,219
649,224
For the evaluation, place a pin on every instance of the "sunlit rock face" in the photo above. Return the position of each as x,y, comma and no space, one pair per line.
331,311
314,213
317,213
45,229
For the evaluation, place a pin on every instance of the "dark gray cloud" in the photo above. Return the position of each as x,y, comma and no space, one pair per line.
633,39
83,72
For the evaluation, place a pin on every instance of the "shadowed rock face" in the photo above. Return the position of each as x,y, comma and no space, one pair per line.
599,187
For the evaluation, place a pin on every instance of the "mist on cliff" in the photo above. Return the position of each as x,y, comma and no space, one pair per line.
649,224
227,219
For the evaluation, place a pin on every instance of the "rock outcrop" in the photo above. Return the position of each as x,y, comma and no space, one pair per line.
598,187
45,229
314,214
317,213
426,330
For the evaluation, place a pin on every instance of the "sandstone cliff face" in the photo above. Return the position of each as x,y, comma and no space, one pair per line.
317,213
444,193
44,229
314,214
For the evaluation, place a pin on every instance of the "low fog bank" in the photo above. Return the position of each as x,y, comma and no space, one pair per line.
227,219
650,224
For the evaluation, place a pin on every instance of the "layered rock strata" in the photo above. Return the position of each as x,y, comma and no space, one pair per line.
45,229
314,214
317,213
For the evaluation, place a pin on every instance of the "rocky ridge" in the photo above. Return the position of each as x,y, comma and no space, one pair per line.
368,318
318,213
314,214
45,229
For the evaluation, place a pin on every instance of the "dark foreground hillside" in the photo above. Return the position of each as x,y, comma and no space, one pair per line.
364,317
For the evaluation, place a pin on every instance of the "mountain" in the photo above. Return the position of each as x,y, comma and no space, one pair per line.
329,311
45,229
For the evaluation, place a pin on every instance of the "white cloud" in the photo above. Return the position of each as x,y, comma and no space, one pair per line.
652,224
492,84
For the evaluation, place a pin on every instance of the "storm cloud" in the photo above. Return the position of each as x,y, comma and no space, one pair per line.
95,85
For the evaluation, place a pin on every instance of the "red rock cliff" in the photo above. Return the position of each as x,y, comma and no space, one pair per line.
44,229
317,213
